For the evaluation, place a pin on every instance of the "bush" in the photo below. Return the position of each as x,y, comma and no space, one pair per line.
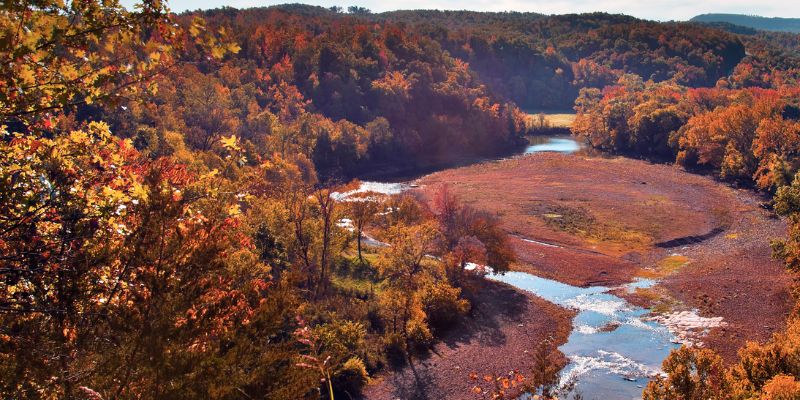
419,335
443,305
351,377
342,338
692,374
764,371
395,347
781,387
759,363
376,323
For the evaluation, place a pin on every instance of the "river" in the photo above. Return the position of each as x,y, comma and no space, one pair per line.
559,144
615,348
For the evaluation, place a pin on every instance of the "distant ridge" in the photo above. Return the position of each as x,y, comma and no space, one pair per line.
753,21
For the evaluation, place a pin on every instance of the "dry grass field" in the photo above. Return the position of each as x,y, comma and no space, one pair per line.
554,119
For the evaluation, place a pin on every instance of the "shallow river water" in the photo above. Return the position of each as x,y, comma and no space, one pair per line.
558,144
613,348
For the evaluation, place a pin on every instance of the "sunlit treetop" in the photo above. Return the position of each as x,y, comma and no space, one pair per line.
58,54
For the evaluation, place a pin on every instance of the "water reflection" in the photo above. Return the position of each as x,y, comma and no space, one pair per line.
558,144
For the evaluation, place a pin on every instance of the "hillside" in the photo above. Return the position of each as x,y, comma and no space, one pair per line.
375,93
753,21
542,62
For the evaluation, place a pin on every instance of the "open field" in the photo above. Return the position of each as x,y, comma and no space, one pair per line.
556,119
604,221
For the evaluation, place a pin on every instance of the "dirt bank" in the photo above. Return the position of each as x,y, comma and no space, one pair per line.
506,326
732,275
604,221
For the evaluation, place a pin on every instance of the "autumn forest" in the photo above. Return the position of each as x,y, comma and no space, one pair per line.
189,206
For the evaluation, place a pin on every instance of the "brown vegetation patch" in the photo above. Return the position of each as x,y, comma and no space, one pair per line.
616,207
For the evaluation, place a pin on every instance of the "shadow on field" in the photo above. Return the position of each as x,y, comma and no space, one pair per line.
494,305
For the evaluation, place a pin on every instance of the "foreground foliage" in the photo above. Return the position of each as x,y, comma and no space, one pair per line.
191,258
764,371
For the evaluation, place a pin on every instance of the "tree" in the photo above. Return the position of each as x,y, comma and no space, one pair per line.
470,236
781,387
777,140
544,375
291,183
327,207
63,54
448,211
787,204
207,111
691,375
765,371
402,261
356,10
362,209
468,250
652,125
63,215
402,265
589,123
115,269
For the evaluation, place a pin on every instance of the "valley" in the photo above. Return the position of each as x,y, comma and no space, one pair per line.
677,254
326,202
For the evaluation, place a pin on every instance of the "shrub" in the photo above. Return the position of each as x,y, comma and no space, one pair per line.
351,377
419,334
342,338
781,387
764,371
761,362
692,374
394,346
443,305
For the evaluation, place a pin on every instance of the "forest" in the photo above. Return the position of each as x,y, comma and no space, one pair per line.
179,205
753,21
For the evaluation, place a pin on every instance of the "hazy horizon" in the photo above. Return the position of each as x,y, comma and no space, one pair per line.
660,10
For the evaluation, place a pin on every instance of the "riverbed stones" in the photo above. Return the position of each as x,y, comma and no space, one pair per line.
688,326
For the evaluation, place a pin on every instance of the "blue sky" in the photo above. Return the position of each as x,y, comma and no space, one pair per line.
662,10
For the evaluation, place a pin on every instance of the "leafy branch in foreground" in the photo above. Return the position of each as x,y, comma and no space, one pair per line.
58,55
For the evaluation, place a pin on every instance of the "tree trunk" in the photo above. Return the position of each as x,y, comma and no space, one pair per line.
358,239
